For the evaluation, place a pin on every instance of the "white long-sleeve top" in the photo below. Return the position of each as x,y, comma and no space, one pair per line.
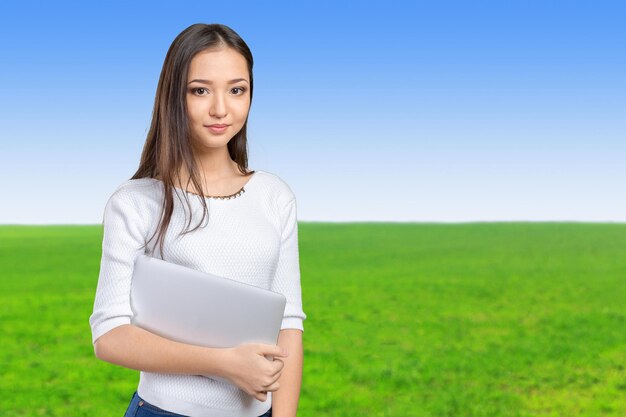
251,238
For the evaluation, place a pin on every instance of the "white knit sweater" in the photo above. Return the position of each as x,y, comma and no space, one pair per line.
251,238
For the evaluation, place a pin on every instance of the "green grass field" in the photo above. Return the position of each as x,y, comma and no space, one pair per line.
484,319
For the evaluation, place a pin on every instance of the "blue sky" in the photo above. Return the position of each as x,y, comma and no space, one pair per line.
443,111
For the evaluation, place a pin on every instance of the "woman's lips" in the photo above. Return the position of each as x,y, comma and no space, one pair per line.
217,128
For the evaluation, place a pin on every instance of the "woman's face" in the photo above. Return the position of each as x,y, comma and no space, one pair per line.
218,93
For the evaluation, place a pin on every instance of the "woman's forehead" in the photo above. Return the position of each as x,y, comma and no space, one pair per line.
222,65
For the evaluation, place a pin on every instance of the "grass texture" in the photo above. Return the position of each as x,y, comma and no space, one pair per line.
425,320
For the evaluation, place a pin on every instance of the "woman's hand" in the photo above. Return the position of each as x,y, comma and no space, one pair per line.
250,370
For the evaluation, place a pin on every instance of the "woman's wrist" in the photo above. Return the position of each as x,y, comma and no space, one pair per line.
217,361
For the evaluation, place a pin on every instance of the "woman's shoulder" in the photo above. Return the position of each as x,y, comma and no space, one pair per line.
134,199
275,185
137,185
137,190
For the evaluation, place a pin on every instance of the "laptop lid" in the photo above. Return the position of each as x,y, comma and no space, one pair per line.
194,307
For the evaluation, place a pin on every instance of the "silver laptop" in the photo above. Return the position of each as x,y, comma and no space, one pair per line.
194,307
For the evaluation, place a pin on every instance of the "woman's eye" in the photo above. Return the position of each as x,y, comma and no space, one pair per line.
200,91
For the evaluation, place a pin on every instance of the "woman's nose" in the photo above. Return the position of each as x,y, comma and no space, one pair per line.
218,106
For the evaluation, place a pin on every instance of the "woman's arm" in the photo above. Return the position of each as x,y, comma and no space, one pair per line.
285,400
135,348
245,365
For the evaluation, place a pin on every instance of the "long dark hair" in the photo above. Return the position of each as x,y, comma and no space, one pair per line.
168,144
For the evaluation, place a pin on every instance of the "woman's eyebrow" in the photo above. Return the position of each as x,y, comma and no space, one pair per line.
236,80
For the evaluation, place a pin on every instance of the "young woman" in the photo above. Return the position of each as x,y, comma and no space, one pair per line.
246,230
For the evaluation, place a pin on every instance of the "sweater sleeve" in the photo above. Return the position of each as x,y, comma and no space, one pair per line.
122,242
287,278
